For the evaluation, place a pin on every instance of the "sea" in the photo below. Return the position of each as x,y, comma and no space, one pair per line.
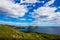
48,30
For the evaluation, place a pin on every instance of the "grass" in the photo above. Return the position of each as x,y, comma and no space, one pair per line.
8,33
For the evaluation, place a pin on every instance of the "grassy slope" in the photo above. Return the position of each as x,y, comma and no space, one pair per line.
9,33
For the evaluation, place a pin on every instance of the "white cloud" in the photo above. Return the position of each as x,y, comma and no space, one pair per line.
28,1
17,10
14,23
52,16
57,17
49,3
12,8
22,18
46,11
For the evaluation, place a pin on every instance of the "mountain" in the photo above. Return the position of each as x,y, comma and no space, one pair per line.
9,33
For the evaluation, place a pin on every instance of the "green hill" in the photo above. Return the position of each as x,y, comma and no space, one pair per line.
8,33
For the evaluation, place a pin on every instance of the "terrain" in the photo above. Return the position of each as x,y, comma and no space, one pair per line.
9,33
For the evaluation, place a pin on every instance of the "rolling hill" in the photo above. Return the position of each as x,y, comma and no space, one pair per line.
9,33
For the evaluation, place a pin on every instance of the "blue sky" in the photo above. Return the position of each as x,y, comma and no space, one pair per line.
25,12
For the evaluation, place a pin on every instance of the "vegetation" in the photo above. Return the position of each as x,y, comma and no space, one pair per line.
30,28
8,33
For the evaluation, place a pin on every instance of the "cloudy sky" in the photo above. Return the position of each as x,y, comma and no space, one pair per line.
30,12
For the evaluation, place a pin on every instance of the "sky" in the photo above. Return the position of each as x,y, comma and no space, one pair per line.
30,12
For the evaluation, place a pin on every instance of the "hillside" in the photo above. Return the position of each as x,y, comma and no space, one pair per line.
8,33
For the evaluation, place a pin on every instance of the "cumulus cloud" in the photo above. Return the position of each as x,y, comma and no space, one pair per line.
46,11
12,8
49,3
16,10
52,17
28,1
